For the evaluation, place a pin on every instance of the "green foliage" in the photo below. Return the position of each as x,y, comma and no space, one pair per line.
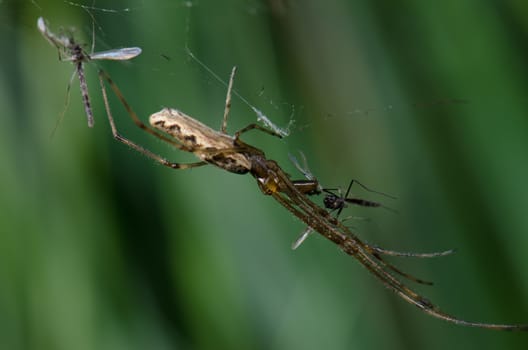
100,248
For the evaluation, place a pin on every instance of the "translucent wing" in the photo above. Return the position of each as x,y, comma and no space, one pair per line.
123,54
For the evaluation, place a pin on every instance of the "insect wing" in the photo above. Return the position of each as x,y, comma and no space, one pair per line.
123,54
302,238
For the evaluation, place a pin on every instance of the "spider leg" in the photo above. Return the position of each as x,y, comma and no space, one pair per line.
400,272
227,109
421,302
228,100
379,250
134,117
257,127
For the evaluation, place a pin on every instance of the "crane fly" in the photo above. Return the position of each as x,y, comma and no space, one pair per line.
71,51
230,153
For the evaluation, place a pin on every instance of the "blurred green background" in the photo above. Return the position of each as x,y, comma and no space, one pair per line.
101,248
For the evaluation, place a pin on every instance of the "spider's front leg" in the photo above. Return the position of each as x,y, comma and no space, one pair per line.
139,123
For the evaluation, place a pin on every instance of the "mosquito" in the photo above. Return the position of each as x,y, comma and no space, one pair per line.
73,52
331,201
230,153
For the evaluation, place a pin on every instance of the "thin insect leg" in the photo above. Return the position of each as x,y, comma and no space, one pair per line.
340,210
368,189
228,100
349,188
133,115
84,93
66,104
357,201
257,127
93,31
61,58
137,147
359,218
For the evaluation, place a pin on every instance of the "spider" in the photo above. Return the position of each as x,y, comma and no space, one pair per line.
232,154
73,52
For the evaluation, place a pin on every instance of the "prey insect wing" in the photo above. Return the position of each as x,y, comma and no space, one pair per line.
123,54
273,181
302,237
73,52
